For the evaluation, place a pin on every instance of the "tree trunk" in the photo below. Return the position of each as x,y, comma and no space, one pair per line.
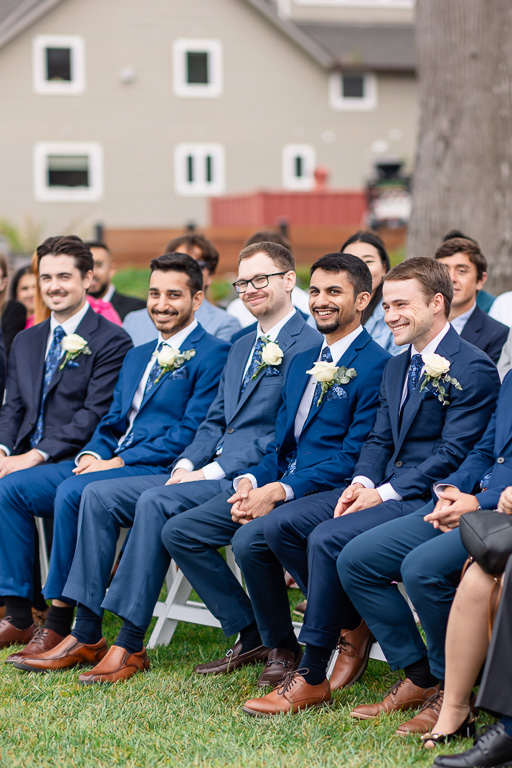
463,169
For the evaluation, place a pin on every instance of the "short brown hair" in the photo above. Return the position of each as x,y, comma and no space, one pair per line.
268,236
67,245
469,247
431,275
209,253
280,255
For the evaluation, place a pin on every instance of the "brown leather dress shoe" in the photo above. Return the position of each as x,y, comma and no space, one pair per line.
68,653
402,696
279,663
42,640
300,608
426,718
293,695
118,664
234,659
353,652
9,635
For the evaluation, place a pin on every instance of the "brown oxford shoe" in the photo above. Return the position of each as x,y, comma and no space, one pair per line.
426,718
68,653
9,635
42,640
402,696
234,659
118,664
279,663
292,695
353,653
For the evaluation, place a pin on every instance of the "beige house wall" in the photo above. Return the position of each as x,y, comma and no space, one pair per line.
274,94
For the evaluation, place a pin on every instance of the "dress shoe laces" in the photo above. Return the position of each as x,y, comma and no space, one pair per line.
433,702
394,688
39,637
290,679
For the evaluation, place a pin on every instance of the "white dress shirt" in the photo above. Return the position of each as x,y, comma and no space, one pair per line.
213,470
386,491
459,322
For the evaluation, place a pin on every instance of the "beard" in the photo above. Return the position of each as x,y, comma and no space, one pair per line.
100,291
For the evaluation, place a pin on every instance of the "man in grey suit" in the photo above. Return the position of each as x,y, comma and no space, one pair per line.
238,428
213,319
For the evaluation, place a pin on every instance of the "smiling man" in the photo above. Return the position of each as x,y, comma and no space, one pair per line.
468,272
101,284
416,438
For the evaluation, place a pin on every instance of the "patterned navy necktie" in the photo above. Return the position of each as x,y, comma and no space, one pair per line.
255,362
413,376
325,357
50,366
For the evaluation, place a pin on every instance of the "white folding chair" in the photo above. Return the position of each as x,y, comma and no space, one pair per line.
43,549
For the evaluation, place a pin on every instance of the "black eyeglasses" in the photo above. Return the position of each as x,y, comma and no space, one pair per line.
260,281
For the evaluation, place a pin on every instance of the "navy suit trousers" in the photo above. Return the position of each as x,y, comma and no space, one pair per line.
428,562
307,540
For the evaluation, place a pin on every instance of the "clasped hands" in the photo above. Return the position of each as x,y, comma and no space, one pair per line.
9,464
451,505
89,463
249,503
356,497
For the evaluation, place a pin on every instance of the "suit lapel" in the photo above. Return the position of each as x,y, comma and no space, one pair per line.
134,382
37,356
85,329
395,389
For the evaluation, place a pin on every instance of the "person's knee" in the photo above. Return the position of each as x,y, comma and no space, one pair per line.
418,572
349,564
276,528
172,534
476,585
245,545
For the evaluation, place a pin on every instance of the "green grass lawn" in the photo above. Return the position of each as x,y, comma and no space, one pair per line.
171,717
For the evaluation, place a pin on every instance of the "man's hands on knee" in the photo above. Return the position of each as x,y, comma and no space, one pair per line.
451,505
89,463
9,464
505,502
249,503
356,497
184,476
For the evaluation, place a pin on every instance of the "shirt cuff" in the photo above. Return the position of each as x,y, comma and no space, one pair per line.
364,481
183,464
213,471
388,493
290,495
250,477
45,455
84,453
6,450
442,486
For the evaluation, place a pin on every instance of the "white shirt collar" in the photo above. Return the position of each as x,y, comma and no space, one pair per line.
340,347
71,324
177,339
432,345
274,332
109,293
460,321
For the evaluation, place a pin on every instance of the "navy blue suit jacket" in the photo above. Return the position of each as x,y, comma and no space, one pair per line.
173,409
246,423
430,439
334,432
78,396
493,453
486,333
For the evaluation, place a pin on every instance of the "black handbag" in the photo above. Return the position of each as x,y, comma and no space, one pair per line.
487,536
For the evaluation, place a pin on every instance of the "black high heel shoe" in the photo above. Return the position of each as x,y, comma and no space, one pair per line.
465,731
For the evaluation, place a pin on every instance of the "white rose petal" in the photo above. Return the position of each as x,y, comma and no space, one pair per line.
73,343
323,371
167,355
272,354
435,365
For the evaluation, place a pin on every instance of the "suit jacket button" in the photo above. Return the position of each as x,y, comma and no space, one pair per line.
230,430
500,460
31,423
398,463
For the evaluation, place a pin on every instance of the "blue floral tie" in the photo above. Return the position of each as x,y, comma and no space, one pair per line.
255,362
50,366
325,357
413,376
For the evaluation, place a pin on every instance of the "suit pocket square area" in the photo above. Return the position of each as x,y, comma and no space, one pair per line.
336,392
179,373
272,371
72,364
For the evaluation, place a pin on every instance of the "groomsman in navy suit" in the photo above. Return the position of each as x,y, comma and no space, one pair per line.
162,395
425,426
239,426
424,551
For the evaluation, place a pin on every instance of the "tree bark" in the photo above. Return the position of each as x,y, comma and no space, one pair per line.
463,169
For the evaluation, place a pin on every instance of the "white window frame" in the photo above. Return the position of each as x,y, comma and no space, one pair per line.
351,104
77,46
213,48
45,194
200,186
288,155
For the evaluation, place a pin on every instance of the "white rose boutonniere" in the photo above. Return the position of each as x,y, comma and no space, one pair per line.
170,359
271,355
436,373
329,374
73,345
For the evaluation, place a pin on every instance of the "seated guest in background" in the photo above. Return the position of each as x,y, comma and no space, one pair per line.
13,315
23,288
415,439
102,286
236,433
158,405
369,247
319,433
213,319
484,299
300,298
468,272
61,378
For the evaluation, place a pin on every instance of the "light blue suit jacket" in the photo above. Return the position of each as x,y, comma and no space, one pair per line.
213,319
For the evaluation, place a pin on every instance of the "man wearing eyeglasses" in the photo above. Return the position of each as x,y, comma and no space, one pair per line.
239,426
